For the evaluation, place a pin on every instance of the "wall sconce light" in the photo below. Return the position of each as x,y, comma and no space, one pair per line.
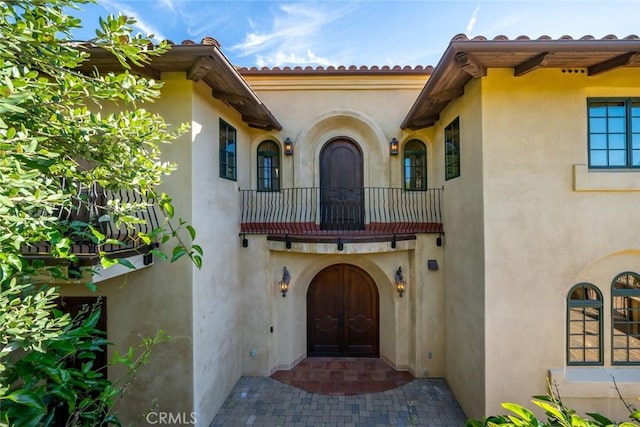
288,146
394,147
400,283
284,283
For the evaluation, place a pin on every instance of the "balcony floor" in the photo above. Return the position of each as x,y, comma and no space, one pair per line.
313,229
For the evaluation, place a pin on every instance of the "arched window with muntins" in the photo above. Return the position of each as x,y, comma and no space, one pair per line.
584,325
625,319
268,166
415,165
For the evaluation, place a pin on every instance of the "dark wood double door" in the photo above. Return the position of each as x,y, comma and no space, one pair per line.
342,313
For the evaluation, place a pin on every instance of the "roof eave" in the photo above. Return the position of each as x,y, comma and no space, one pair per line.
200,62
628,50
436,75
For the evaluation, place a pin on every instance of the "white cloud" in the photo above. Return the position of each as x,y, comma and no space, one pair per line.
168,4
140,25
281,58
293,35
472,20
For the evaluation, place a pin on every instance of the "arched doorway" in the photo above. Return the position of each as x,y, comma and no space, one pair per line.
342,313
341,181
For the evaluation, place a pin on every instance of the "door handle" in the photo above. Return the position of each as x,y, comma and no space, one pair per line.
340,319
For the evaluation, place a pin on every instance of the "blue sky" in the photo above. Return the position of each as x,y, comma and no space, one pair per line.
365,32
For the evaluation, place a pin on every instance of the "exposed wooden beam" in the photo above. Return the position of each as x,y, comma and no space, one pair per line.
532,64
612,63
446,95
200,68
470,65
229,97
146,72
257,123
423,122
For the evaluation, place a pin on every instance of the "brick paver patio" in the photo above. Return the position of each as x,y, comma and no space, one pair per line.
262,401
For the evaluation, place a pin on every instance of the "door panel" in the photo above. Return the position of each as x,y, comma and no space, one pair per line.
324,302
342,313
341,192
360,313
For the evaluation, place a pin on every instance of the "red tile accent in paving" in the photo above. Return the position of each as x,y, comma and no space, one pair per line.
343,376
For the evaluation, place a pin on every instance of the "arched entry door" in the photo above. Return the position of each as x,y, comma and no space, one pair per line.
342,313
341,180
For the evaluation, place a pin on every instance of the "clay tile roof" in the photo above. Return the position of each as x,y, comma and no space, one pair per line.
211,41
466,59
337,70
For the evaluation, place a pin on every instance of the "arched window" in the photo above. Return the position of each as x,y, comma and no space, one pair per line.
415,165
584,325
625,319
268,166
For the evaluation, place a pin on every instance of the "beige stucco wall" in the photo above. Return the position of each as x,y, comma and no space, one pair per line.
200,309
524,222
541,236
464,271
313,110
158,297
217,290
368,110
411,327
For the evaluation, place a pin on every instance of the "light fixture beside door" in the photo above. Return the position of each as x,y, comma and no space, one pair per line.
284,282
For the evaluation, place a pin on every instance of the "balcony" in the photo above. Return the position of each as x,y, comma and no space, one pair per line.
89,207
325,214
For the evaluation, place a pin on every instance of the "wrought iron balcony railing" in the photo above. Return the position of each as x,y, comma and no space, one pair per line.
313,211
90,207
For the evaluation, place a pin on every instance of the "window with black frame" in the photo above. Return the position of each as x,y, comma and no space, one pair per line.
625,319
614,133
584,325
415,165
452,150
227,151
268,166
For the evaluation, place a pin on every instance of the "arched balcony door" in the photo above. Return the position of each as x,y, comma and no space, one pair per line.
341,181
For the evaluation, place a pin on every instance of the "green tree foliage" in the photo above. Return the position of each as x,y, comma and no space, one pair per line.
53,141
556,413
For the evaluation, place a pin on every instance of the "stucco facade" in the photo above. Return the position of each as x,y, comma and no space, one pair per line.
487,290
